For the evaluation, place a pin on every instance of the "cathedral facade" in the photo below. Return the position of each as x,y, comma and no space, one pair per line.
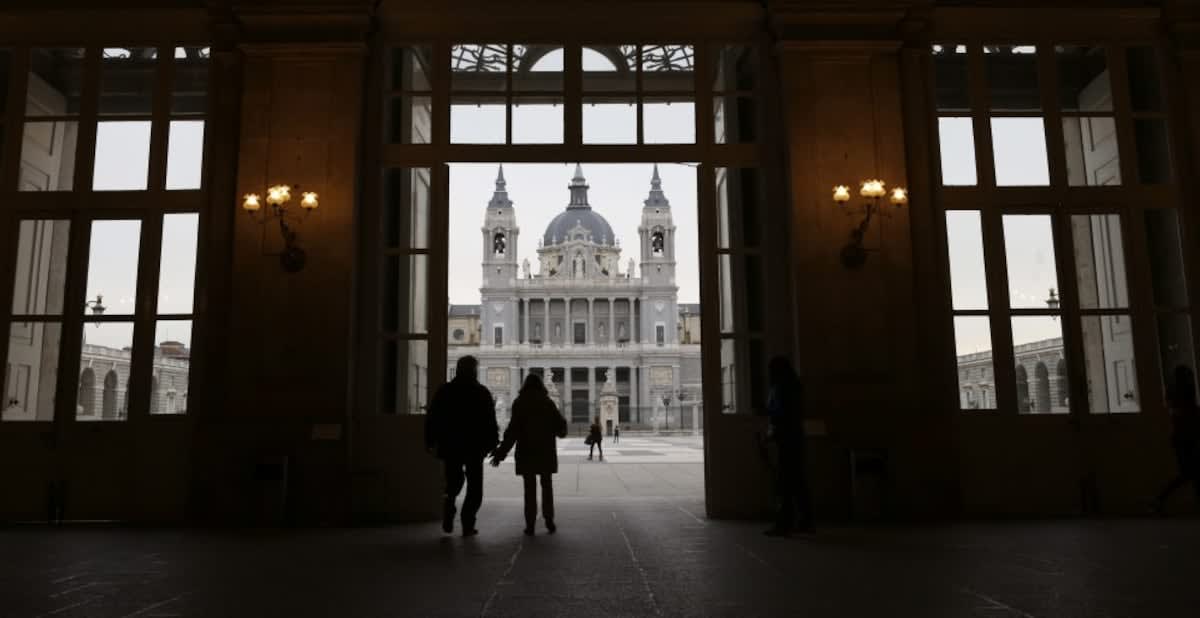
584,318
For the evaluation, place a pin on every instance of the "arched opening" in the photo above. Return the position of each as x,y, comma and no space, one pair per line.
85,405
1023,402
1063,391
108,405
1042,401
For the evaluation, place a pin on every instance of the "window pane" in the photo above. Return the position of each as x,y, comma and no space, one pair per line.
1083,81
950,78
1029,252
112,266
48,156
1166,258
55,81
1108,355
1091,147
406,209
976,377
41,267
537,68
729,377
726,291
412,120
1040,365
956,138
1154,159
725,194
1174,345
968,279
668,68
609,121
669,121
406,377
172,367
104,368
537,121
127,80
1145,88
734,120
177,266
480,67
189,93
405,293
122,156
411,68
477,121
739,193
1099,261
735,68
1019,151
1012,77
185,154
30,376
608,68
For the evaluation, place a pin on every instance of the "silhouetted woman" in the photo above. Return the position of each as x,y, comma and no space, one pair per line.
535,425
785,412
595,437
1185,435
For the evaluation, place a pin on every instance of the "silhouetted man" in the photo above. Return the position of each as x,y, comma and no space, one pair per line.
461,429
785,412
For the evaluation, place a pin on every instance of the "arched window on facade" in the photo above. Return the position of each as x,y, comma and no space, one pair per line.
1023,403
1042,375
86,403
499,243
108,405
1063,392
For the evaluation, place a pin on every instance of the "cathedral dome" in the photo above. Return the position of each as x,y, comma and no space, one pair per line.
579,213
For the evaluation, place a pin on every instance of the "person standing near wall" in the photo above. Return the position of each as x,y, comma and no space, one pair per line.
535,426
785,414
616,434
1185,435
461,430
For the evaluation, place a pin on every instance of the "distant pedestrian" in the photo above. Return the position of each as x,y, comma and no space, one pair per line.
536,424
461,430
595,437
616,434
1185,435
785,412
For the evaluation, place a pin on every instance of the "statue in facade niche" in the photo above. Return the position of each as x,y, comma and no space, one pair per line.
577,266
629,272
525,268
498,244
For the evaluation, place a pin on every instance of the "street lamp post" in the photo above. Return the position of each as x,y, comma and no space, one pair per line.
667,411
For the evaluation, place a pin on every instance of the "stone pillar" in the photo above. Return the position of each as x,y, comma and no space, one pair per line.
612,321
566,395
568,327
546,321
523,307
591,389
635,394
609,402
588,336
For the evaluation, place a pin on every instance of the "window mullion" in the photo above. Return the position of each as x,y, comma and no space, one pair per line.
10,148
1069,313
1003,361
1126,141
71,344
572,95
985,169
89,103
1051,116
160,125
142,358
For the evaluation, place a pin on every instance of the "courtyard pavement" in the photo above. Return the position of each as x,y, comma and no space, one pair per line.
639,465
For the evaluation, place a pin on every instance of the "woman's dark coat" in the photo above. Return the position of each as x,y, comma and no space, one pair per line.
534,428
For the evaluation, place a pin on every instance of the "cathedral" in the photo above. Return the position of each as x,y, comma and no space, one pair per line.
583,317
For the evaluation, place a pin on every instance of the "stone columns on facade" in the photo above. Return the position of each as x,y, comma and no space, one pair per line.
546,321
612,321
568,327
588,336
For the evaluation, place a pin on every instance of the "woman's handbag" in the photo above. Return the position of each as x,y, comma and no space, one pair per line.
589,440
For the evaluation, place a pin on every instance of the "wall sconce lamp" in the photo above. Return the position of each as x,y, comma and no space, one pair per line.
292,258
854,254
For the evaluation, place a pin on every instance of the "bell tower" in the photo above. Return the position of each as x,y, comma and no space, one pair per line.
659,315
498,308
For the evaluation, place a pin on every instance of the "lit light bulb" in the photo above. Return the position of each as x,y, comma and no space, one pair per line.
250,202
308,200
841,194
872,188
899,196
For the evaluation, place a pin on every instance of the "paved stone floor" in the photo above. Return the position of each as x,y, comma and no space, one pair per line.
637,466
629,557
